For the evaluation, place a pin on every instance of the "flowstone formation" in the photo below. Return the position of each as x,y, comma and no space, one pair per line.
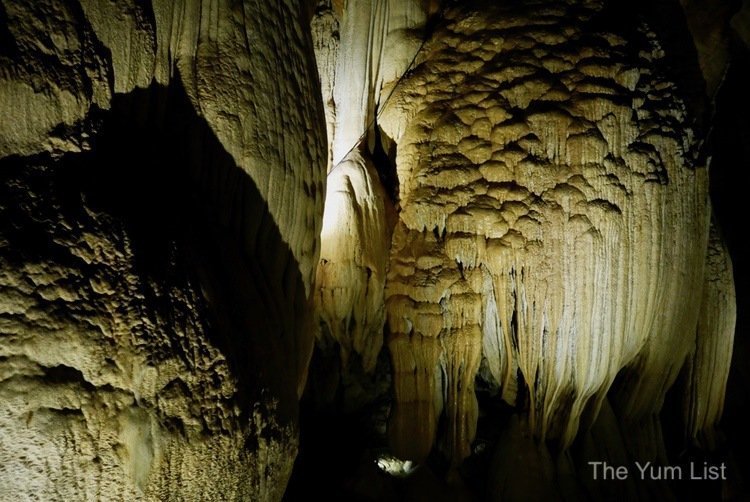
362,47
163,174
554,239
553,228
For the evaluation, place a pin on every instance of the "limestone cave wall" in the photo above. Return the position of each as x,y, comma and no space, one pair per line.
370,249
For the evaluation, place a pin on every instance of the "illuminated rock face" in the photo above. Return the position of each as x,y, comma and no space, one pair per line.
361,51
553,227
163,170
378,41
52,75
353,260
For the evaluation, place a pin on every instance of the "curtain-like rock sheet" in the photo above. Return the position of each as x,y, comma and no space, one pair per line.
163,173
553,235
554,222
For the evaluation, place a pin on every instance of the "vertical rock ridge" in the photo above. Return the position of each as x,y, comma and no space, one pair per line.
361,46
213,46
513,197
378,41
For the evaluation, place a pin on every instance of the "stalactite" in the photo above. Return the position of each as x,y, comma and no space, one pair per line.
419,400
174,236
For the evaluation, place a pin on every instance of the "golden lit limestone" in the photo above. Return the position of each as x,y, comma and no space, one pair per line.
378,40
42,103
107,392
325,34
362,47
355,242
554,222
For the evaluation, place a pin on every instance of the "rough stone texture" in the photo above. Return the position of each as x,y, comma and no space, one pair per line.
43,102
162,275
163,174
326,38
362,48
553,224
109,392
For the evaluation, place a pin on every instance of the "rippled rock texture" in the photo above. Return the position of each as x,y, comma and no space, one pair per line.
554,224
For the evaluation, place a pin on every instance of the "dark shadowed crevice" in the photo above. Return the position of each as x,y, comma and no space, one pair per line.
342,431
385,163
680,61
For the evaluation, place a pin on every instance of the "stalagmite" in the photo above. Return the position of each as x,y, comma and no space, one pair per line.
351,275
